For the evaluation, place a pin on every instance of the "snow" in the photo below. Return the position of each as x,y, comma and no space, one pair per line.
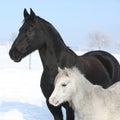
20,93
11,115
21,86
21,97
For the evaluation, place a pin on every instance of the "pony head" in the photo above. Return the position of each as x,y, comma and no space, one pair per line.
64,87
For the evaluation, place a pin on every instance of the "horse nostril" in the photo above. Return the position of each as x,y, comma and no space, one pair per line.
11,53
15,54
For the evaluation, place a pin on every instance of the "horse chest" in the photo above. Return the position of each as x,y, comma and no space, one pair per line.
47,83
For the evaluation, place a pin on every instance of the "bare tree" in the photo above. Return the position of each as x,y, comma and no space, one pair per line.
99,40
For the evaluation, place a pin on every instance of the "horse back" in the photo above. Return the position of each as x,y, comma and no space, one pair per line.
109,62
110,67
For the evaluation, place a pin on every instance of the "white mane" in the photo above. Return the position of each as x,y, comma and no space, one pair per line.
91,102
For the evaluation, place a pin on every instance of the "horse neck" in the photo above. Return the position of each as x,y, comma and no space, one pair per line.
52,52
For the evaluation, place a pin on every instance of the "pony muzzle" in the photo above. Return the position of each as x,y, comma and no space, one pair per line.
53,101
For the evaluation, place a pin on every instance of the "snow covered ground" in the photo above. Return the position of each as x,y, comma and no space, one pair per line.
20,94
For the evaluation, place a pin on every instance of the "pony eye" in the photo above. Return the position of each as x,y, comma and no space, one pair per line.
64,85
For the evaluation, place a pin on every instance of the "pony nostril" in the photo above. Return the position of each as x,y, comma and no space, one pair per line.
53,101
56,102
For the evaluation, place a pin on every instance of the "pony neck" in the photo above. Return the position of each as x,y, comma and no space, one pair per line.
83,93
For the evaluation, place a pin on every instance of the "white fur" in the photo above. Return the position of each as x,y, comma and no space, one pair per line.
90,102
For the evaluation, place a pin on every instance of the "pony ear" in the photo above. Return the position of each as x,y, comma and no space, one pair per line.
66,69
66,72
32,14
26,13
59,69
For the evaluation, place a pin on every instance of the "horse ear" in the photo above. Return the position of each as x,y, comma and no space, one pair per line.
32,14
26,13
59,69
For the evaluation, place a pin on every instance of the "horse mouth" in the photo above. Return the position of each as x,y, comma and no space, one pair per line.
15,55
18,59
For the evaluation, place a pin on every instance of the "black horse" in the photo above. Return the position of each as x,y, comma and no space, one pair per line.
37,34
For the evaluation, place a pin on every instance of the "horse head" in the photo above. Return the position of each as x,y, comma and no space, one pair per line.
27,39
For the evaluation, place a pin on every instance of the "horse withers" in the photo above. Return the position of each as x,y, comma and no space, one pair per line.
36,33
90,102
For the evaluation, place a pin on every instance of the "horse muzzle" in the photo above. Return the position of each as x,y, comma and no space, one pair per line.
15,55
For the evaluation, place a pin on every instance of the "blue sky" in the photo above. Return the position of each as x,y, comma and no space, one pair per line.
73,19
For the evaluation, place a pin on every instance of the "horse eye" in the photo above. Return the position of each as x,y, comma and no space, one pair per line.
64,85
